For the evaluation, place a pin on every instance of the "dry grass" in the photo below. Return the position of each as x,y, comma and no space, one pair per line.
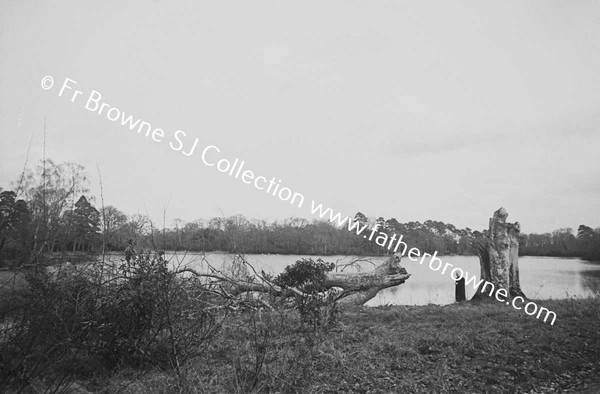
464,347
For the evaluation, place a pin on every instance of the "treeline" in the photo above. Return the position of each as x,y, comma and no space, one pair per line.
50,210
300,236
563,243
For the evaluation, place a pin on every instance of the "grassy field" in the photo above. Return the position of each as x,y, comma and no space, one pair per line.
461,348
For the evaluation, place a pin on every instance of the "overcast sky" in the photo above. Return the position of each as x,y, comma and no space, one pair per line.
442,110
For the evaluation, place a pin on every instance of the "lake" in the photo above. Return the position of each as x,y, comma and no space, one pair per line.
541,277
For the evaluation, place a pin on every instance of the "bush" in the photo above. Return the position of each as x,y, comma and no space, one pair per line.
83,322
88,322
316,307
306,275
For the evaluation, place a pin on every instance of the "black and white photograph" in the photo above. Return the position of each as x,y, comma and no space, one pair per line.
268,196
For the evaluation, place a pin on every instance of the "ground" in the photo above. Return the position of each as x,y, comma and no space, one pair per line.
461,348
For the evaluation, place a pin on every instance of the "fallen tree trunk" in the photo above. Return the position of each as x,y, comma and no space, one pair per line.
349,288
359,288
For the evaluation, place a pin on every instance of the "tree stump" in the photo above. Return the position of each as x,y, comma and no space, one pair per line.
498,251
460,292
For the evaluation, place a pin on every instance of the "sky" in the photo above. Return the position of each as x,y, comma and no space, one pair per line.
416,110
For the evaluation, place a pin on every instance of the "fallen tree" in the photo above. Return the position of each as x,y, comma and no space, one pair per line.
70,319
348,288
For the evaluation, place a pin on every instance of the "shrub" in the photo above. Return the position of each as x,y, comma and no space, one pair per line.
306,275
316,307
89,321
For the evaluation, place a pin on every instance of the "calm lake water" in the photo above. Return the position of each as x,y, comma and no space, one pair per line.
541,277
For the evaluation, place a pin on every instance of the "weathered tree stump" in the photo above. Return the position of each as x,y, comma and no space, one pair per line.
498,251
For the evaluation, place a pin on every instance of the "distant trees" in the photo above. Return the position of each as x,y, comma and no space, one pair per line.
589,242
50,190
35,216
360,218
15,223
51,210
138,227
299,236
80,227
113,222
85,226
563,243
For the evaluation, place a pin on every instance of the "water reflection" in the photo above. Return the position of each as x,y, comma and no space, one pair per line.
591,281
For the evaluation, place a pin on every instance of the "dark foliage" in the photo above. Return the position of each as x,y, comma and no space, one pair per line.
76,322
316,309
305,274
